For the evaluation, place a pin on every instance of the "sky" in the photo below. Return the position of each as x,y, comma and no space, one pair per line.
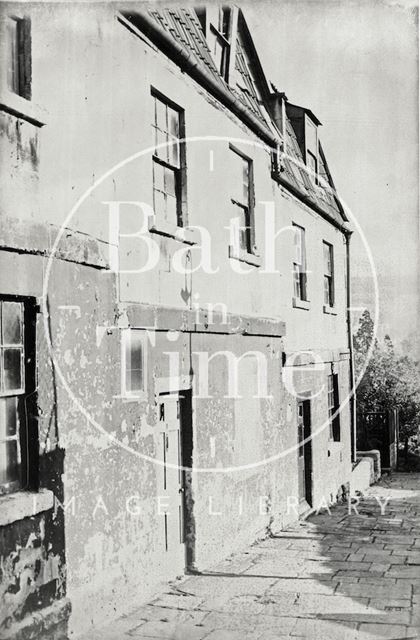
355,65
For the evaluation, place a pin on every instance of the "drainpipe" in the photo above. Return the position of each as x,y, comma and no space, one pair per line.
347,235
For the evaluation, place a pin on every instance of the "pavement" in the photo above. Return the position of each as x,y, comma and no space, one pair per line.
335,576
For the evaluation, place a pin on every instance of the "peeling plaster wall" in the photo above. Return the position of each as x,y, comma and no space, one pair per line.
94,444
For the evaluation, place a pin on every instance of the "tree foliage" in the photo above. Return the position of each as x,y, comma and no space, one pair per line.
390,381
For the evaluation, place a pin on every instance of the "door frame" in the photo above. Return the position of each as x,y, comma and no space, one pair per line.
184,392
307,448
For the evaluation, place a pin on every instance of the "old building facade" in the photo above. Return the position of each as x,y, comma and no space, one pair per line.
175,354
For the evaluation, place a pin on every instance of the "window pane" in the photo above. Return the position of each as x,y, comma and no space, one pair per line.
299,246
245,180
296,282
161,143
161,121
171,210
9,461
173,117
134,362
8,417
327,258
170,182
12,54
158,176
173,151
12,322
326,290
240,180
159,203
12,370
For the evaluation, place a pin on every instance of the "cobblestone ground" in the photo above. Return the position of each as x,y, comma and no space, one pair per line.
340,576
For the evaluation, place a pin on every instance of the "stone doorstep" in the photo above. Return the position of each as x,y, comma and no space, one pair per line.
39,624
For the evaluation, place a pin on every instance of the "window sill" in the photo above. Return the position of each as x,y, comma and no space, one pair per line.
24,504
301,304
332,311
21,108
244,256
164,228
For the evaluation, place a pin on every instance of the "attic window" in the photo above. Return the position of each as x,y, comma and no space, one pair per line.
219,43
311,146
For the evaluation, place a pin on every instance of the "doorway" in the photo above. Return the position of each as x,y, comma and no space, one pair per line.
174,453
304,451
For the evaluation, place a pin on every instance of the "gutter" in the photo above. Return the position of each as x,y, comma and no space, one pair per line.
141,20
188,63
342,226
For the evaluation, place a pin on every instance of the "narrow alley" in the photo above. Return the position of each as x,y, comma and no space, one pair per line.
337,575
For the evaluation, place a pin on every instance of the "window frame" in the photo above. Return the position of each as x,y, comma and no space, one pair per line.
130,394
20,106
328,277
180,172
333,405
300,285
310,151
249,251
223,40
27,422
22,64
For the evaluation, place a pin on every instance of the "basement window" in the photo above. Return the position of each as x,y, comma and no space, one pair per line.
17,386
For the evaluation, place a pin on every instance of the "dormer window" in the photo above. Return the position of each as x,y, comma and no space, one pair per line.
219,43
311,145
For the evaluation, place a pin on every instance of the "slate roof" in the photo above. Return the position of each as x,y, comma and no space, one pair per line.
185,28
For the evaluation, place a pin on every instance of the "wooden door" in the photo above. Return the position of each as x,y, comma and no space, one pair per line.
301,452
304,451
170,482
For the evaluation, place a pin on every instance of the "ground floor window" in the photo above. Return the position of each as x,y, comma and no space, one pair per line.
17,382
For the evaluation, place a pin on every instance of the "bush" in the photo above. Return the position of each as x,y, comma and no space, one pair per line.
391,380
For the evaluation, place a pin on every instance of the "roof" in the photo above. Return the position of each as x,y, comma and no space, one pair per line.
183,27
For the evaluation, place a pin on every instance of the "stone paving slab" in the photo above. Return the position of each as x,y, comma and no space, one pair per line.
337,576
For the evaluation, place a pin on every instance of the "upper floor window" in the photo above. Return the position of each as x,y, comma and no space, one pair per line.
242,197
219,43
18,43
169,168
333,407
328,274
299,263
17,383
